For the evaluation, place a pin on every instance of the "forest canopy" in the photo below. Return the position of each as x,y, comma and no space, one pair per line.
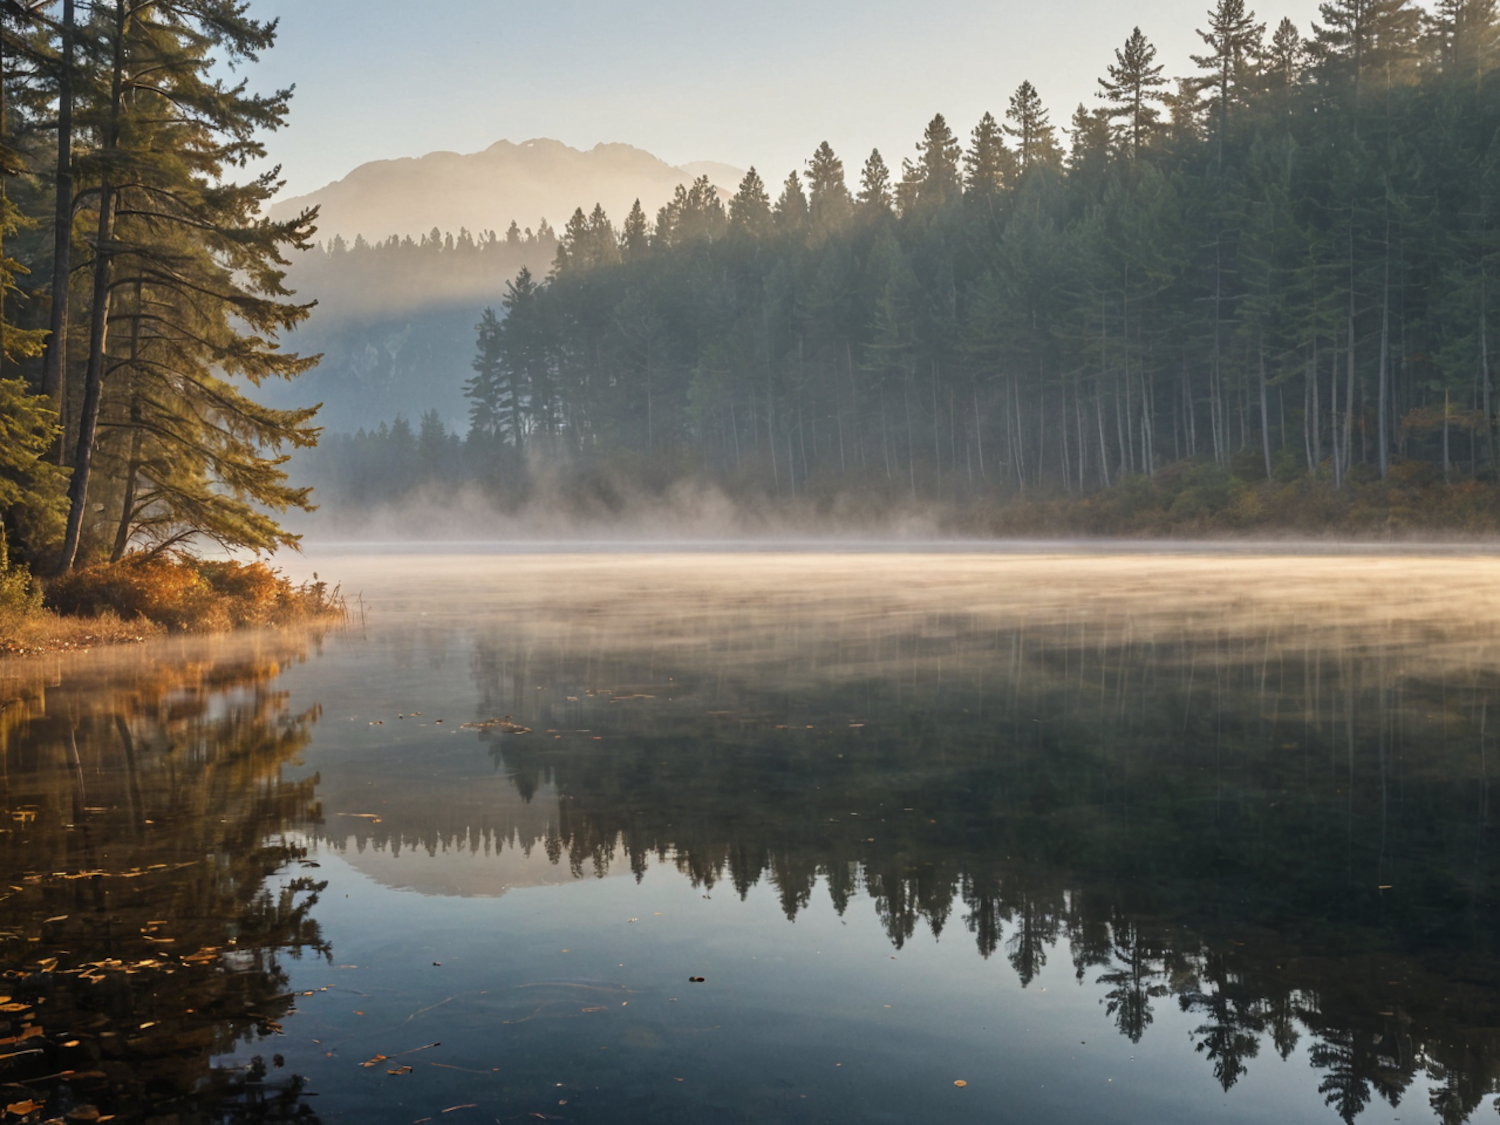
1274,268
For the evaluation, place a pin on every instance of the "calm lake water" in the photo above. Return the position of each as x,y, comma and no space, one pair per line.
771,837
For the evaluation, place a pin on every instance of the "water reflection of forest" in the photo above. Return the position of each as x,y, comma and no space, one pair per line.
143,808
1281,829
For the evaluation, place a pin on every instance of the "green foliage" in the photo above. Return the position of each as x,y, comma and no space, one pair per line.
19,592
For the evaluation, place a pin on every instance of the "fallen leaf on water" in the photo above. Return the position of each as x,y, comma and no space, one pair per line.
960,1083
400,1070
14,1007
696,980
376,1061
21,1109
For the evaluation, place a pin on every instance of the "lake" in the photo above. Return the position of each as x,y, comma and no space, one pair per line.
745,836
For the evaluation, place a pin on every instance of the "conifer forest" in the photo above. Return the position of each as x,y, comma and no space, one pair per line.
1271,271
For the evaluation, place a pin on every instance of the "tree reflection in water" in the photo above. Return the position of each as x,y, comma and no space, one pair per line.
143,807
1280,826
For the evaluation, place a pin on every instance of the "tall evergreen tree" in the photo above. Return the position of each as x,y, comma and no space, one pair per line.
937,169
829,201
1361,39
1233,39
791,206
1132,92
988,165
750,209
875,184
1029,126
205,272
635,235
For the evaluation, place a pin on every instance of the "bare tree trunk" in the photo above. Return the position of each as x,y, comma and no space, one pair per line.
1103,445
1383,440
1484,368
54,358
1265,421
979,438
1309,397
1446,461
133,468
93,384
1317,411
1349,394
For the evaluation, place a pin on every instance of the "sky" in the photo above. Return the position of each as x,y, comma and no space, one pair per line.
758,82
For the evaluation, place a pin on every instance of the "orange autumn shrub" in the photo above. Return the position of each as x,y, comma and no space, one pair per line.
184,594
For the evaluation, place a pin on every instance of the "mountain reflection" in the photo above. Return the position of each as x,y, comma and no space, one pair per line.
1280,827
143,808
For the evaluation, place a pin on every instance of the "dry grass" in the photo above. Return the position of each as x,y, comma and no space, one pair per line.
31,632
142,596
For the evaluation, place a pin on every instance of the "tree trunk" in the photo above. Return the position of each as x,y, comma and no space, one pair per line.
1446,461
55,357
133,467
93,384
1265,420
1382,419
1484,370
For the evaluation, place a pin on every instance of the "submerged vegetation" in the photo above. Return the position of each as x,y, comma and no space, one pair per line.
1272,270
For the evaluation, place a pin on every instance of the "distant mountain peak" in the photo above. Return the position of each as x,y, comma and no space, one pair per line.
523,182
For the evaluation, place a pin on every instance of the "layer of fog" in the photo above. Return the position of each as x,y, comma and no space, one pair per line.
693,517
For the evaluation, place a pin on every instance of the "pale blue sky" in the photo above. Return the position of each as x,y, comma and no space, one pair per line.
759,82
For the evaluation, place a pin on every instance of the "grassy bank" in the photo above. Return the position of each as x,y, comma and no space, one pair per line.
141,597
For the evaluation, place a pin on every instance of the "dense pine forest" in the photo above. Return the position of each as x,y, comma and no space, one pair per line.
1233,294
144,290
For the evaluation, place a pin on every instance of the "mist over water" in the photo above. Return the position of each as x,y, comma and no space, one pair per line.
1103,835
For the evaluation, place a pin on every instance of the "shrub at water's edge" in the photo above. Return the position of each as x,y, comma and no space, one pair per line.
145,595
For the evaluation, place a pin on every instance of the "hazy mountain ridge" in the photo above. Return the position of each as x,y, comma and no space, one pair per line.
396,319
507,182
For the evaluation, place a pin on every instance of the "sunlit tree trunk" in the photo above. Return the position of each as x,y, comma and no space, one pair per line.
93,386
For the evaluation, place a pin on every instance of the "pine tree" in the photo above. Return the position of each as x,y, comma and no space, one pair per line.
1281,67
875,184
1132,93
191,452
1359,39
1089,132
989,166
635,237
1466,37
791,207
937,169
750,209
573,248
829,201
1030,128
1233,38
